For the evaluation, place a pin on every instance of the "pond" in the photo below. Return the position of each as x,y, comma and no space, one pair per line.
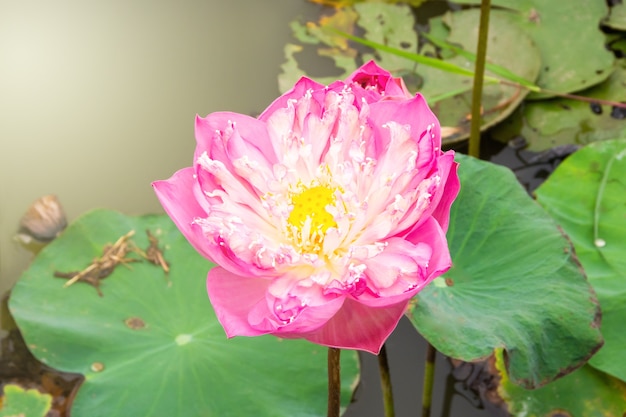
99,100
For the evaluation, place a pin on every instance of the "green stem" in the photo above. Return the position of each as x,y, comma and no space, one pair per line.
429,379
479,72
385,381
334,382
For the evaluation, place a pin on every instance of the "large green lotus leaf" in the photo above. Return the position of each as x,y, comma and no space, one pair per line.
585,392
514,284
18,402
498,100
572,48
587,196
151,345
549,123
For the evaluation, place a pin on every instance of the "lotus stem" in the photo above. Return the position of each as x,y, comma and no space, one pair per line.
429,379
334,382
385,381
479,72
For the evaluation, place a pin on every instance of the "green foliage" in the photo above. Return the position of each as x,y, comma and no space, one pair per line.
560,121
151,344
558,45
617,17
388,29
515,284
18,402
498,100
587,197
573,56
585,392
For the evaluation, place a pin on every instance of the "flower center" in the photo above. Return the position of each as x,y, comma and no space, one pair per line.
310,205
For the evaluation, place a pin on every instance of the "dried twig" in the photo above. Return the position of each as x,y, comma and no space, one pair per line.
154,254
100,268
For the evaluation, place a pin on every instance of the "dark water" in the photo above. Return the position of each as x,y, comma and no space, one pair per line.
19,366
459,391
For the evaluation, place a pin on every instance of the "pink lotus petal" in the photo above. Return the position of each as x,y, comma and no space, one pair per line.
432,233
300,89
180,203
326,214
233,297
447,193
356,326
226,136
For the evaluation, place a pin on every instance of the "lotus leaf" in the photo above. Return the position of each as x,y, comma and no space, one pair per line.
514,284
151,344
587,197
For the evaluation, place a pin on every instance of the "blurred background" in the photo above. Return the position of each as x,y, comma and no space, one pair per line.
98,98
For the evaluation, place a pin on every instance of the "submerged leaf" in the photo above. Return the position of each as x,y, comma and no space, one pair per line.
329,45
515,284
617,17
151,345
556,122
585,392
498,100
573,55
587,196
18,402
389,30
392,26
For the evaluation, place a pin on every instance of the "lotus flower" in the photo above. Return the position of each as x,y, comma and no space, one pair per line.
325,215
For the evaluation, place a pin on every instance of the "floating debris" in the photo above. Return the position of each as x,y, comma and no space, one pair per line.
100,268
154,254
114,255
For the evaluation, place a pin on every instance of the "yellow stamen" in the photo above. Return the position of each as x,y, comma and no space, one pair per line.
311,203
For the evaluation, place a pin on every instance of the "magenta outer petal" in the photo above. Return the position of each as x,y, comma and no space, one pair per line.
181,198
311,319
296,92
253,131
357,326
430,233
241,307
233,297
413,112
447,194
433,234
371,75
177,198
